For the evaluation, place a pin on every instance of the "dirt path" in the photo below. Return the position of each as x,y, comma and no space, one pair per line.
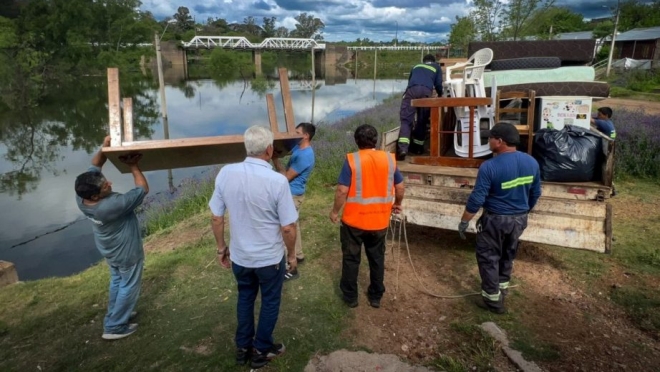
573,330
649,107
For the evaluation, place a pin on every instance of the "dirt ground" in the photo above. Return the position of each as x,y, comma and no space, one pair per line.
587,333
630,104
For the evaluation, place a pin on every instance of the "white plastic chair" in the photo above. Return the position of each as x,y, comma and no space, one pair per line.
471,85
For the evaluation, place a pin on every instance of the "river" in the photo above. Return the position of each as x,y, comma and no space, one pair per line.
44,148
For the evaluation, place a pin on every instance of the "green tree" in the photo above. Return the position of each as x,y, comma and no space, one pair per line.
269,27
282,32
555,19
462,32
486,15
308,27
250,26
517,13
184,20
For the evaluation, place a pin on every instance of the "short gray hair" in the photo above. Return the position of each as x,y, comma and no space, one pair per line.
257,139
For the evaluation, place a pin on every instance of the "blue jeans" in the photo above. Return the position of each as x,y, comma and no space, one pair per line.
269,279
125,285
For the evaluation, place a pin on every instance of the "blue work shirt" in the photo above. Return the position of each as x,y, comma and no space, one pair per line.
115,225
427,74
346,174
301,161
606,127
509,183
259,202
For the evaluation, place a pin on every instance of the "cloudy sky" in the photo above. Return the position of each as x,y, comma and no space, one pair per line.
415,20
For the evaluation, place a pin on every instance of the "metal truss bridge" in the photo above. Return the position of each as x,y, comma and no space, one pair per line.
281,43
239,42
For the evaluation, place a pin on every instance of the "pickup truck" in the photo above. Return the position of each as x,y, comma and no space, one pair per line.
573,214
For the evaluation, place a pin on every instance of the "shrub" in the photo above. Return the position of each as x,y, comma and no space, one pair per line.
637,144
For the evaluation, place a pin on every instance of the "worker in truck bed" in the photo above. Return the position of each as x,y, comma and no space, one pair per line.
603,122
423,78
507,187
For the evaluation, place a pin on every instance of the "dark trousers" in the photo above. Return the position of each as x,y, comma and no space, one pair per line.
497,245
351,248
269,279
407,118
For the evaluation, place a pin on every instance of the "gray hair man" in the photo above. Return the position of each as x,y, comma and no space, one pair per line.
263,223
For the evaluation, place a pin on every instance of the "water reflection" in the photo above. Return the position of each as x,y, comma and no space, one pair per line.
43,148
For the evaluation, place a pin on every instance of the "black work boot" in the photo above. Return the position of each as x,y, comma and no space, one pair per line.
496,307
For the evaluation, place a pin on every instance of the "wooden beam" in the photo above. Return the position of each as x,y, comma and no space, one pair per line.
128,120
450,102
447,161
272,113
286,100
114,108
436,123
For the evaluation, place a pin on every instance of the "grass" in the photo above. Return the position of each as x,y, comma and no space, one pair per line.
187,309
621,92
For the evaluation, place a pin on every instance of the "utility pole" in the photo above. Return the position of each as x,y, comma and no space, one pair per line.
616,25
161,80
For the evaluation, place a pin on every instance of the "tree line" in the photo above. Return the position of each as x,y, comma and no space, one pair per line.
493,20
46,41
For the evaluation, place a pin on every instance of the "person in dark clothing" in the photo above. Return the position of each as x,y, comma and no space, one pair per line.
423,79
507,187
603,122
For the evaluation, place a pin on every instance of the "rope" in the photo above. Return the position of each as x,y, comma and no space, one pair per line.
400,221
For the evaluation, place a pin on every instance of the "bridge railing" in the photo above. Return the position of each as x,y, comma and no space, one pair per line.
239,42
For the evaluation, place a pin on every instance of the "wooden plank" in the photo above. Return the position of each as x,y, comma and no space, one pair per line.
272,113
608,229
286,100
191,152
436,124
114,108
554,228
450,102
388,140
446,161
128,120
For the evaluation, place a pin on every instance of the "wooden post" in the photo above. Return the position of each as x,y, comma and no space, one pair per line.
471,134
272,113
375,69
435,129
128,120
114,107
313,85
356,65
286,100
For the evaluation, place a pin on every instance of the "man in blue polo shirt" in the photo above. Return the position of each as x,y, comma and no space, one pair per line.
507,187
297,171
423,78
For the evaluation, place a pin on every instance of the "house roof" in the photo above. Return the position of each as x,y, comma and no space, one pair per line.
574,35
650,33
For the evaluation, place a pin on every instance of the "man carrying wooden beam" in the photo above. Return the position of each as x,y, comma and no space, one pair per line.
117,236
297,171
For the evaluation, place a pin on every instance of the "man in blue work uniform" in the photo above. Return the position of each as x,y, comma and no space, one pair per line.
603,122
507,187
423,78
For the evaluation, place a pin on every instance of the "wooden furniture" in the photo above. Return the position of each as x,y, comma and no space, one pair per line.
438,151
187,152
526,129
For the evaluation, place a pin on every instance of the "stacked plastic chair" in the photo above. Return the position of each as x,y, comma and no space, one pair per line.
471,85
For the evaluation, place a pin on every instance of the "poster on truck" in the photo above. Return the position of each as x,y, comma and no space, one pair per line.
556,112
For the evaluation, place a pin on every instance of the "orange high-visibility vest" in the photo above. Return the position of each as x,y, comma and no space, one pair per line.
371,193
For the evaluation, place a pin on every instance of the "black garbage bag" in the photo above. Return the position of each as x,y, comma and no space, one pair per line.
568,155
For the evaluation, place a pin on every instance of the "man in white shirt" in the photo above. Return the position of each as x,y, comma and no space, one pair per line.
263,224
